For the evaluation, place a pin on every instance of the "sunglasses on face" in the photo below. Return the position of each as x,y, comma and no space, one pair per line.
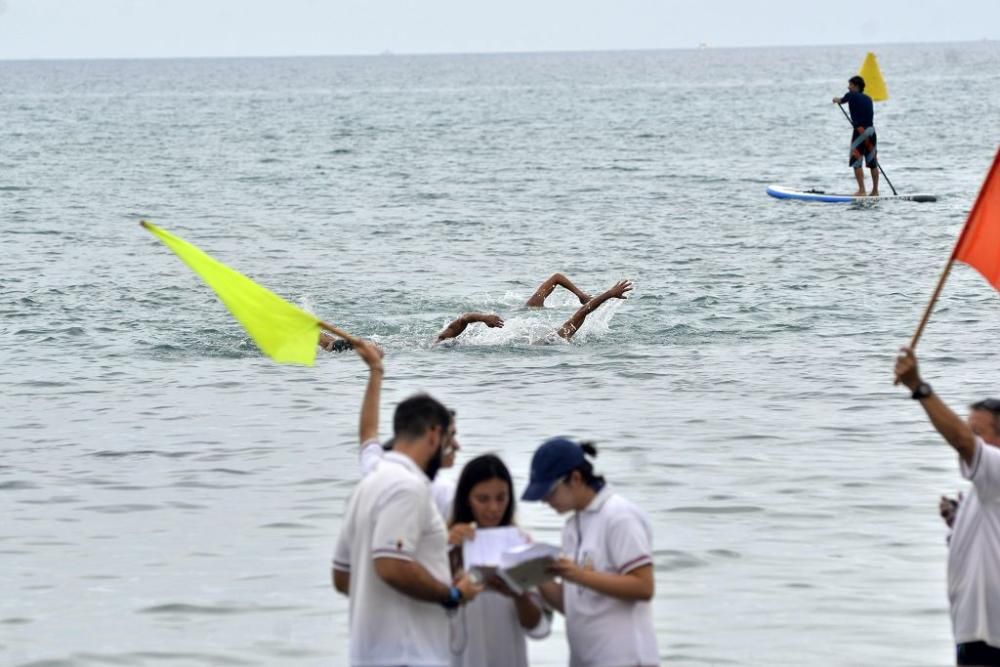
552,489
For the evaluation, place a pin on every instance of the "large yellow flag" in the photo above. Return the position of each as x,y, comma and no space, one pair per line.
874,83
285,333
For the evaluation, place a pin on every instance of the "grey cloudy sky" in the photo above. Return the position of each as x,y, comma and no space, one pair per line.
171,28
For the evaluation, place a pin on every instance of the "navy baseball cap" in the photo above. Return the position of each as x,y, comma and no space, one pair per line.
554,459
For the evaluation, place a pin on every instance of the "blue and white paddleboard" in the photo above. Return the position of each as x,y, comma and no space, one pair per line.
782,192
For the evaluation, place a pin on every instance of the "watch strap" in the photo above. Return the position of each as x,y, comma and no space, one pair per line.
454,598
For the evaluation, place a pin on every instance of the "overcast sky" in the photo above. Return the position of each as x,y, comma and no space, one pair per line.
171,28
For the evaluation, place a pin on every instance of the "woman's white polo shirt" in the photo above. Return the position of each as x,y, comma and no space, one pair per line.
609,535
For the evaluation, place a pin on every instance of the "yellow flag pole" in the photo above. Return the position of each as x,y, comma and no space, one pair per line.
281,330
338,332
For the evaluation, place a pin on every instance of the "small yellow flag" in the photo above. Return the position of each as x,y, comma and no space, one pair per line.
874,83
285,333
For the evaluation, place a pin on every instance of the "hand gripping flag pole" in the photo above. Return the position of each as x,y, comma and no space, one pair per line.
287,334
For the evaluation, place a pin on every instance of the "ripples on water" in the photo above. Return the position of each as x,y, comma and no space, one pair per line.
170,497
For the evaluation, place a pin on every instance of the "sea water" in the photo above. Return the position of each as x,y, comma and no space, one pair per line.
171,497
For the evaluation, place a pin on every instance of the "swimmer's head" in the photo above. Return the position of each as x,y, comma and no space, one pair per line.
340,345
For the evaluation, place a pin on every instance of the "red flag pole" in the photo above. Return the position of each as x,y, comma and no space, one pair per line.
951,259
934,297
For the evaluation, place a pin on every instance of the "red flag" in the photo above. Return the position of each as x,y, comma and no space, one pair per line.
979,244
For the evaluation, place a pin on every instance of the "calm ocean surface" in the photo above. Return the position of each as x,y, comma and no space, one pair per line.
170,497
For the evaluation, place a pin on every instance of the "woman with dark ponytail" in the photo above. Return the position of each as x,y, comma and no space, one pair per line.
606,571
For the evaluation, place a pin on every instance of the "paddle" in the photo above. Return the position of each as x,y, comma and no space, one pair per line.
877,162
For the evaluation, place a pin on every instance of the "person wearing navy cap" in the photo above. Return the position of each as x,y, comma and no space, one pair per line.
606,572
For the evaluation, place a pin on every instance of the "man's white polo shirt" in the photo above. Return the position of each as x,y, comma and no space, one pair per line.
974,552
392,515
610,535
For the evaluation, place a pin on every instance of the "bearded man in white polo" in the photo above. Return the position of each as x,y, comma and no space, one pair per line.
392,555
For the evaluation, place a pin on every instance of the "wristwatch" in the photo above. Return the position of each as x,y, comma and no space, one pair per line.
454,598
922,391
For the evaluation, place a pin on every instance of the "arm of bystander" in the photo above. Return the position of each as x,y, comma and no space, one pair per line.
952,428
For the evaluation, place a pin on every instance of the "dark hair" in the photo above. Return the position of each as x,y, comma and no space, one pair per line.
857,81
989,405
391,442
417,414
340,345
596,482
481,469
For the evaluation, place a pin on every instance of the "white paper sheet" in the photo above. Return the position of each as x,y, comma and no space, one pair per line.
489,545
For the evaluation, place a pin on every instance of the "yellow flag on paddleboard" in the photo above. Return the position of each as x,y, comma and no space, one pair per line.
287,334
874,83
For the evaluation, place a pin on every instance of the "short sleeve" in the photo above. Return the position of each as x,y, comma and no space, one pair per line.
371,454
399,522
342,554
984,471
630,542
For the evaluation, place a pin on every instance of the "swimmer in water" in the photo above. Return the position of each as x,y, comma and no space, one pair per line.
567,330
588,304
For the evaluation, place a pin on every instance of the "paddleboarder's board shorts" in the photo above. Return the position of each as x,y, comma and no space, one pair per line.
864,147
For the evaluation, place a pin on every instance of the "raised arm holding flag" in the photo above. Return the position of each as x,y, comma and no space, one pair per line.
973,567
287,334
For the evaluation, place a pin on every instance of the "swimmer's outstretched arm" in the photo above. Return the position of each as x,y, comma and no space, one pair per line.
573,324
537,299
458,326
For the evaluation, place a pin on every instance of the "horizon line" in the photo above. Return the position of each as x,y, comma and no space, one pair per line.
390,53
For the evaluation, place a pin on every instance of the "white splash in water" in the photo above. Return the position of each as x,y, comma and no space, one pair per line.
598,323
518,330
305,303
